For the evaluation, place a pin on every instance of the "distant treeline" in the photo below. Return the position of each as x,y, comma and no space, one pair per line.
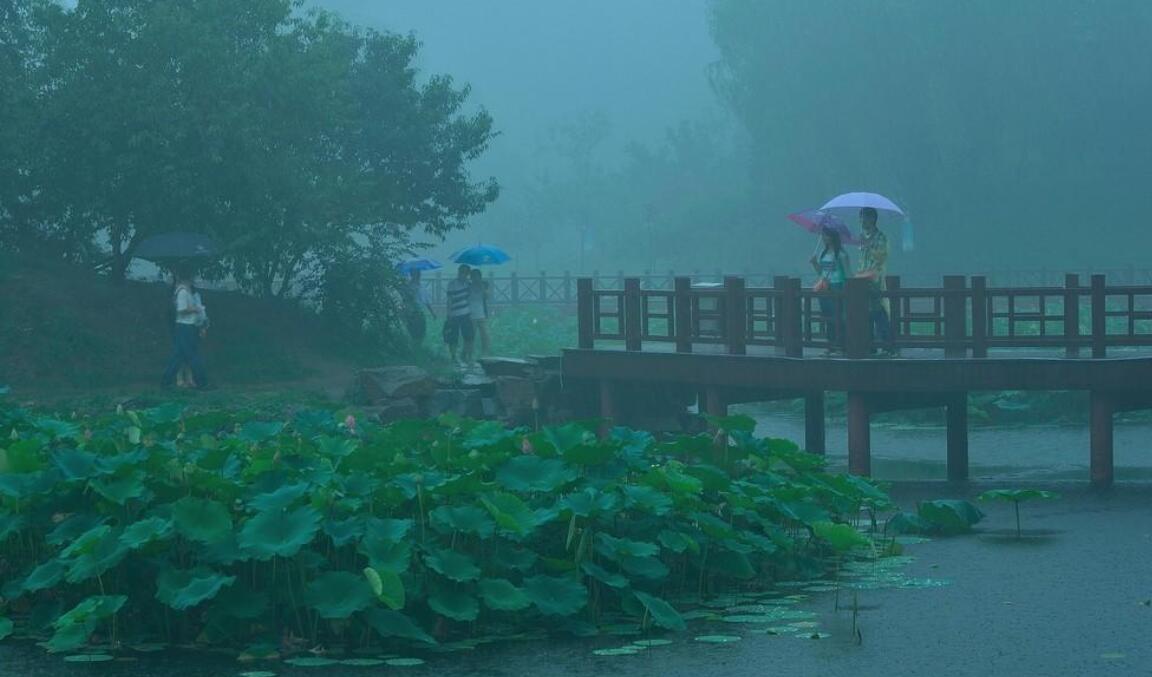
313,151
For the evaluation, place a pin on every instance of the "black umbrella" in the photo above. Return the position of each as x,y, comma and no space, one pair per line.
176,245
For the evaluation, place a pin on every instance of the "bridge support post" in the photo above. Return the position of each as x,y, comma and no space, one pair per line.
1102,406
609,412
957,415
714,404
859,434
814,438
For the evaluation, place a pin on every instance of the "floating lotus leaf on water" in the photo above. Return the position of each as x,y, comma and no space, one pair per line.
813,635
794,584
451,564
618,651
662,612
915,583
395,624
362,662
311,662
499,594
532,473
184,589
338,594
455,604
278,532
88,658
698,614
149,648
556,596
717,639
139,534
202,520
821,588
805,624
648,643
750,618
257,673
404,662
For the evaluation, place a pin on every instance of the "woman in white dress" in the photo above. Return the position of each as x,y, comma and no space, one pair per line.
478,309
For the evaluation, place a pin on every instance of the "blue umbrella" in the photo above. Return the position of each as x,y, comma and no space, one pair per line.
481,255
176,245
421,263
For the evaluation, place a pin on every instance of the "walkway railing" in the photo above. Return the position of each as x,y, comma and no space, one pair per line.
962,317
560,289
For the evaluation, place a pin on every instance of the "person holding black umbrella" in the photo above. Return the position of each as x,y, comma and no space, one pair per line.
186,337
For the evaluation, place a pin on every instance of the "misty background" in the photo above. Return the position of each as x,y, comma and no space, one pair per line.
657,134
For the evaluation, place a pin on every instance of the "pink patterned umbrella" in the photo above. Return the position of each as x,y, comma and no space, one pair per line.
815,220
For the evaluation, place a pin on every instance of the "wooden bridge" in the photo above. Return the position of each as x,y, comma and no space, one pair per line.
734,343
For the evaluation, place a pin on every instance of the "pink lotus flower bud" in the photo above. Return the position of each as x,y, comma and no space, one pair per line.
350,423
526,446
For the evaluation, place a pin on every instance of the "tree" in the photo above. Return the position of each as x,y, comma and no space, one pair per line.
303,144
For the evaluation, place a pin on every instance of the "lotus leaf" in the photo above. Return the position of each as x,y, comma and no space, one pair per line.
568,436
70,637
532,473
387,586
278,532
950,516
729,563
89,658
647,499
508,556
556,596
842,537
6,627
468,519
164,414
336,447
1017,495
279,499
58,429
76,464
149,529
362,662
121,489
499,594
590,502
24,485
454,565
454,603
345,531
311,662
87,541
388,529
104,554
614,548
395,624
404,662
185,588
338,594
511,513
662,612
612,580
677,541
202,520
21,457
387,555
256,431
45,576
669,478
113,464
650,568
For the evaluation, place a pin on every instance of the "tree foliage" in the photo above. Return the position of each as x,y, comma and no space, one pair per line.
315,151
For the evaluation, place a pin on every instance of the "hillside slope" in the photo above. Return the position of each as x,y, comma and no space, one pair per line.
66,327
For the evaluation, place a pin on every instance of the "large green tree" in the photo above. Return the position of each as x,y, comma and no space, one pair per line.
315,151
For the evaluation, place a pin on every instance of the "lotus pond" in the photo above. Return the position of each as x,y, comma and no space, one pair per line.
317,539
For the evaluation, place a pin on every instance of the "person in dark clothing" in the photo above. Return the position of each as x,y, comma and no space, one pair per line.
186,337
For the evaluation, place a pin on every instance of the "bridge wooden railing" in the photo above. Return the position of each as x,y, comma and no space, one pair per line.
963,317
560,289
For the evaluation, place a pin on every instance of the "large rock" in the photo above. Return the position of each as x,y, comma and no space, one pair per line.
392,383
460,401
506,366
397,410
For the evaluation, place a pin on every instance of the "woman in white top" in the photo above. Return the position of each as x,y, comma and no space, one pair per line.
186,338
478,310
832,265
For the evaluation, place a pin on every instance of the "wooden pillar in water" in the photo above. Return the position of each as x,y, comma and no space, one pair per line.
1101,410
814,437
859,435
957,415
714,404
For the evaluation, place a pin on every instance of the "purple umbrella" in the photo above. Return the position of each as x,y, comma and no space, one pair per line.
861,200
816,220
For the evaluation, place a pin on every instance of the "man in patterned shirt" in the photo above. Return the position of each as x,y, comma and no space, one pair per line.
873,265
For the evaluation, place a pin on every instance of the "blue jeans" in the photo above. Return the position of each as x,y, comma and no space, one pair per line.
185,353
830,309
881,325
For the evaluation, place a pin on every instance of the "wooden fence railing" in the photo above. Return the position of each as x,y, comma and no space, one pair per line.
560,289
963,316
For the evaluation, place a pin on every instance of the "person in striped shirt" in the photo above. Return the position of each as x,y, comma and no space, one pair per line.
458,318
